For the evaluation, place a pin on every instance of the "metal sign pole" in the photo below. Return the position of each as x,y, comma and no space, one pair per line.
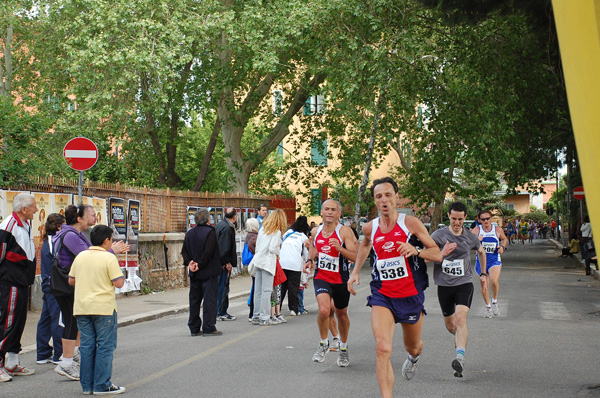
80,188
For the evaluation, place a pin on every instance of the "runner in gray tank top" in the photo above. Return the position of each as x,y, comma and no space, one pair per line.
454,277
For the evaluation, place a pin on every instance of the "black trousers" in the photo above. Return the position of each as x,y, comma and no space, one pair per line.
13,315
291,285
203,290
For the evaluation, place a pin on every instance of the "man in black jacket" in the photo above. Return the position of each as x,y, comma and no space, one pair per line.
201,254
227,249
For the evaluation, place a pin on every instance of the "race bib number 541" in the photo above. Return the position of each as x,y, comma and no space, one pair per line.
329,263
392,268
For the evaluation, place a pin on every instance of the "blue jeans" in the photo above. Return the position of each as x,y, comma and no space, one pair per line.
223,294
98,343
48,327
301,301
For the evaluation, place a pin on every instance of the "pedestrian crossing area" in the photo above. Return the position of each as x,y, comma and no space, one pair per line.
549,310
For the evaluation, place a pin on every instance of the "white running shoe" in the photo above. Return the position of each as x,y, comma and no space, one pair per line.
321,352
488,312
495,309
335,345
408,369
343,360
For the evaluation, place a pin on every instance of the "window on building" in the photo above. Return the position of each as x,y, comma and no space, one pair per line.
314,105
318,152
315,203
510,206
277,102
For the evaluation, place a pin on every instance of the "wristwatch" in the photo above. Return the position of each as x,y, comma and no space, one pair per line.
483,274
418,250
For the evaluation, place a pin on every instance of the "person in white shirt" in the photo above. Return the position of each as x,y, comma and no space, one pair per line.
292,257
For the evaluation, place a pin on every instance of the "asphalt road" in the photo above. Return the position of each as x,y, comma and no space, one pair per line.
543,344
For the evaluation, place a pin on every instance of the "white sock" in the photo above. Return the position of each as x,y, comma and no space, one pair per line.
495,301
413,360
12,360
337,337
343,346
66,362
325,342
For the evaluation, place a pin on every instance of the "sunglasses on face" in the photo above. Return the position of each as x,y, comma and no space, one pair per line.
486,219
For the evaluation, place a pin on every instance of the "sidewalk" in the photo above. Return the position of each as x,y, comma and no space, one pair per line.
140,308
578,258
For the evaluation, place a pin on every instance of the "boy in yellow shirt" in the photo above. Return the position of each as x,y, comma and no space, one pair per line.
95,273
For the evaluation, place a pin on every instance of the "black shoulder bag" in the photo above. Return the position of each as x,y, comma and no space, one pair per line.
59,276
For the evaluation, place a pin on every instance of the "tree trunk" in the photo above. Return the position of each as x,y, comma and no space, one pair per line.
212,143
6,72
436,218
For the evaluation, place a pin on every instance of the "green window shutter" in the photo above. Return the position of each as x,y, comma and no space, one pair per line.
315,201
318,152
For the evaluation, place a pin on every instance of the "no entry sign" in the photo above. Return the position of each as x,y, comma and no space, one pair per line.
81,154
578,193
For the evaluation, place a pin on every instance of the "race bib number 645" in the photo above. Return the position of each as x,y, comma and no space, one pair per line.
392,268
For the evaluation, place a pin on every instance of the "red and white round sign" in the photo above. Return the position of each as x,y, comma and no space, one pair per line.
80,154
579,193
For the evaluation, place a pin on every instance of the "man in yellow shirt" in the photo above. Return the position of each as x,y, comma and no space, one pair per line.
95,273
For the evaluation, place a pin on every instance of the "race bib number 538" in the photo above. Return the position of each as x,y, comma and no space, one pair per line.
392,268
329,263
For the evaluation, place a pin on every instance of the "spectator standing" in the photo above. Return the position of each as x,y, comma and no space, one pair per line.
252,227
262,214
225,230
78,219
201,254
17,272
48,325
292,258
95,273
268,246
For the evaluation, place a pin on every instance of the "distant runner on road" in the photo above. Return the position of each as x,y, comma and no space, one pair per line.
401,245
454,277
494,242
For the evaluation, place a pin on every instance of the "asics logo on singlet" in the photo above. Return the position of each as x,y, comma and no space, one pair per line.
387,245
389,264
325,248
320,241
379,239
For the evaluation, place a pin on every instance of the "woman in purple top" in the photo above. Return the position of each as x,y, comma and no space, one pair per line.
78,219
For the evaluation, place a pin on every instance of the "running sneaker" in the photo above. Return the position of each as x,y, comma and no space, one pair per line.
343,360
495,309
458,365
47,360
19,370
293,313
4,377
112,390
335,345
70,372
255,321
488,312
281,318
321,352
275,320
408,369
228,317
267,322
77,357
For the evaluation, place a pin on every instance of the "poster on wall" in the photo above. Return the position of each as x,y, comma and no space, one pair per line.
38,225
190,220
59,201
118,222
212,214
99,206
133,232
6,202
219,212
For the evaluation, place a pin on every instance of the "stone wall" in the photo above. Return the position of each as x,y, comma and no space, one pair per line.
153,270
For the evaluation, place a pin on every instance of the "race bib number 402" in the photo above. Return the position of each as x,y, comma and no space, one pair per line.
328,263
392,268
454,267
